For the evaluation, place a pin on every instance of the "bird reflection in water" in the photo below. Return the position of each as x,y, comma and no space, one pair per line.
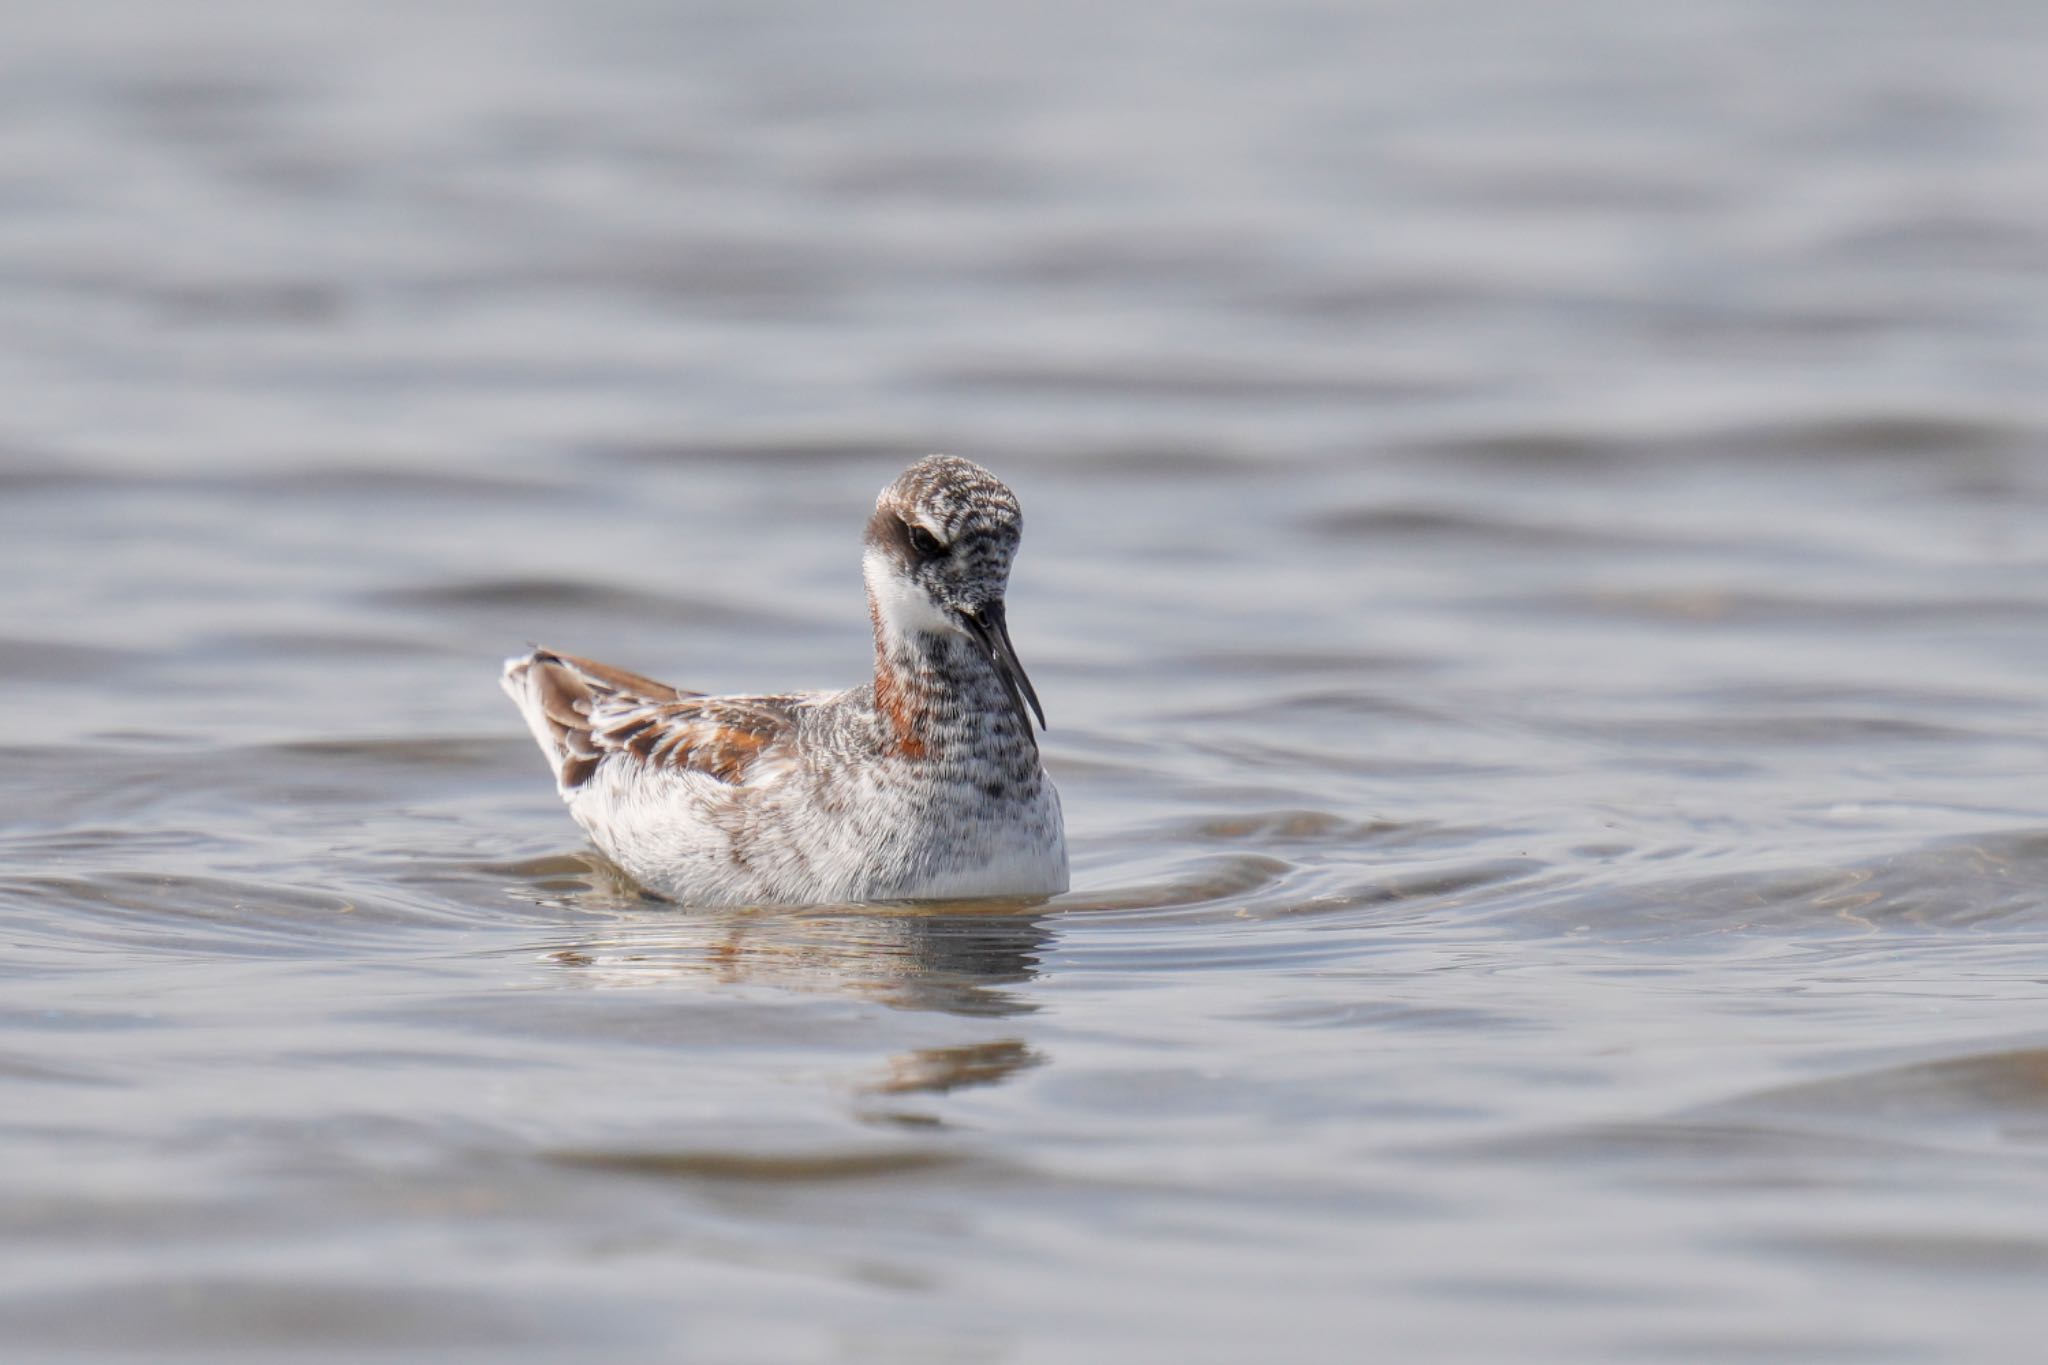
958,958
953,958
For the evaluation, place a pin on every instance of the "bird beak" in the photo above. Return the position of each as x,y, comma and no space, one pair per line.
992,632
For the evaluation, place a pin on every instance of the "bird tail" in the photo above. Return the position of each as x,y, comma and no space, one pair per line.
556,694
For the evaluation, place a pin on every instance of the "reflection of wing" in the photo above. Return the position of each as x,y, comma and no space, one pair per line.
584,713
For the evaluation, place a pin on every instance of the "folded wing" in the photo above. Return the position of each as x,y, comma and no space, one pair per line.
585,714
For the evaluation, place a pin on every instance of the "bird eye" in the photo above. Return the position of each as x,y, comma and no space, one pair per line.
925,543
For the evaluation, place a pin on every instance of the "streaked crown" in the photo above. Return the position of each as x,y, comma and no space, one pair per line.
949,527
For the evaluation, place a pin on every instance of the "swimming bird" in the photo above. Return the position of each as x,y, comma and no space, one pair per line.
923,783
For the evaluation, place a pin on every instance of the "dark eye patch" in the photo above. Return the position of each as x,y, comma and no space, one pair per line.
923,543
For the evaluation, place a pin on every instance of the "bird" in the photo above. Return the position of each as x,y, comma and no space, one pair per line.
923,783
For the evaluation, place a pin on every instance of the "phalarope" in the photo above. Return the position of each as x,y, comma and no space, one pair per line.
922,784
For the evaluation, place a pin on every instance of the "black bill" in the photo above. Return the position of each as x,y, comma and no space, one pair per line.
992,631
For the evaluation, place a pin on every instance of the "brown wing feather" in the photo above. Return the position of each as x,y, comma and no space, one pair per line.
617,680
722,737
593,710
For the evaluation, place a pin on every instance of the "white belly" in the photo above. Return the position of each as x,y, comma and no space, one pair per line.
697,841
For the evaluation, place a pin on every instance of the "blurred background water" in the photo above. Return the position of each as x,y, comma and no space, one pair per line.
1537,529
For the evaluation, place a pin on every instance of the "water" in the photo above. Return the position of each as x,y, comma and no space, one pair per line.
1535,566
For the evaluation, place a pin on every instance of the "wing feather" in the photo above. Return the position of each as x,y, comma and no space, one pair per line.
584,713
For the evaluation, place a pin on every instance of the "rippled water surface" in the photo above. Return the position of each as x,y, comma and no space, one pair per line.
1537,565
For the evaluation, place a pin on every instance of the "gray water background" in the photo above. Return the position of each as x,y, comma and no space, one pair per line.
1537,520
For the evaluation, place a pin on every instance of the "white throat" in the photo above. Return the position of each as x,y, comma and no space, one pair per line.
901,606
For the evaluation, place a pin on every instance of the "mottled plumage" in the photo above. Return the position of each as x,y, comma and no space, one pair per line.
924,783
